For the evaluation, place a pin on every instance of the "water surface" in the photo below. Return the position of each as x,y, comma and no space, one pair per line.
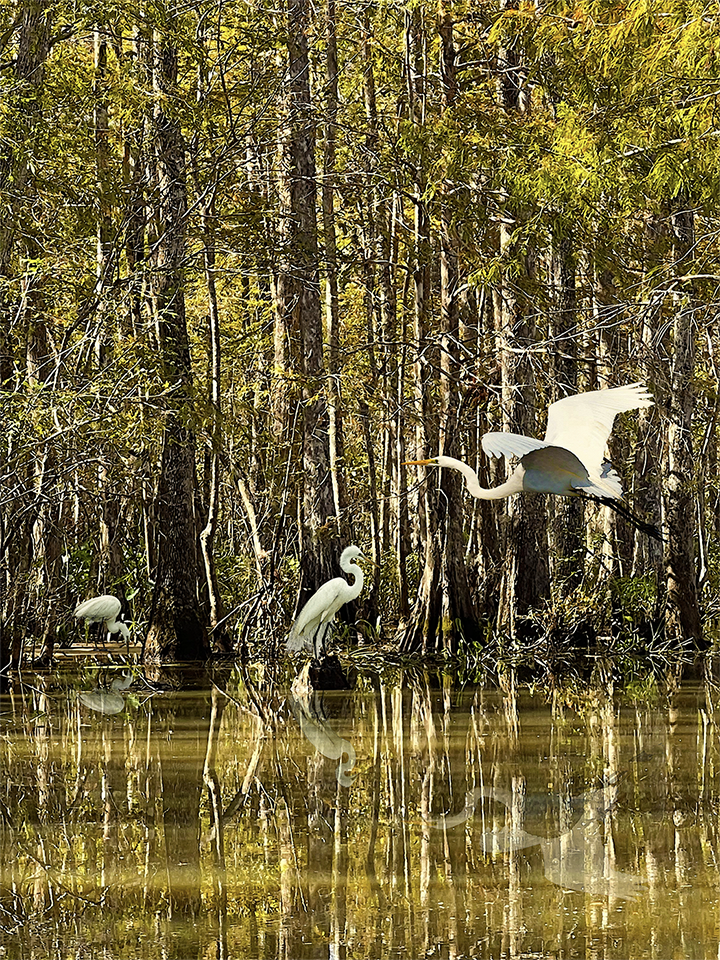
224,815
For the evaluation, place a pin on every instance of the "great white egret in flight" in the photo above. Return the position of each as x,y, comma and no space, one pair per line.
316,617
570,460
104,609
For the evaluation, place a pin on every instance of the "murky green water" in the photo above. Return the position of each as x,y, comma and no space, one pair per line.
225,816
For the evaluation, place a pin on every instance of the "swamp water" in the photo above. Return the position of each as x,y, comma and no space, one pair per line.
412,817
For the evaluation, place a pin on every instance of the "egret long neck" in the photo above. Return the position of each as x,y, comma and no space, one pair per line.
354,570
513,485
507,489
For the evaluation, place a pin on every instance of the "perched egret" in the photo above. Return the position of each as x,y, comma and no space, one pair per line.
105,610
314,620
569,461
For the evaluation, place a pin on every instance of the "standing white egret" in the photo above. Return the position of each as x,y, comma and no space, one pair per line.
314,620
569,461
104,609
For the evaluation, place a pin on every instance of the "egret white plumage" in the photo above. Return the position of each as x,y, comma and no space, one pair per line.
316,617
104,609
569,461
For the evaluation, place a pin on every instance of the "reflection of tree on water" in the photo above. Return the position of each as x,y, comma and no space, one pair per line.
312,826
574,859
93,806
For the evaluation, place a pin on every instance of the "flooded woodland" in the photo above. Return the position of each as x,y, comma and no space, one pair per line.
283,281
236,813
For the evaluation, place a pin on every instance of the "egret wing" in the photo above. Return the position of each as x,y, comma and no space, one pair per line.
105,607
510,444
321,606
582,423
610,478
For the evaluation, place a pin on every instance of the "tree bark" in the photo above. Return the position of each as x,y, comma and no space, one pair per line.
41,361
110,567
415,69
208,218
526,579
332,307
444,613
682,609
318,561
177,631
567,529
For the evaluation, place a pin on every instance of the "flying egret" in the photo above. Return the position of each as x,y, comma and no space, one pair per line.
104,609
569,461
316,617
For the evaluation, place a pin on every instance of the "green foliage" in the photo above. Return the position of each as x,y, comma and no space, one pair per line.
620,125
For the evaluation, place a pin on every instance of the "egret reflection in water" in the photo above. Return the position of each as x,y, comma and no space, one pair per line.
574,859
307,710
110,700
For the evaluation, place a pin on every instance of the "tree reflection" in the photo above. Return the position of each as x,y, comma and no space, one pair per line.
474,820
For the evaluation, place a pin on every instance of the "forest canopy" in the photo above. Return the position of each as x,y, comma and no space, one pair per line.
253,259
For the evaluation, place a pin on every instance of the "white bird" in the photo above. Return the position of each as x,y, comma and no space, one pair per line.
314,620
104,609
569,461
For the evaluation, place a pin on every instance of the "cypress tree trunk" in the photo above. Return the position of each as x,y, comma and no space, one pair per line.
607,349
208,219
444,613
526,579
682,609
177,631
648,478
567,530
207,535
319,556
425,437
382,302
19,235
110,568
332,307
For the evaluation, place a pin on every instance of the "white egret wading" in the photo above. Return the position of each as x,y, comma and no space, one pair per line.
316,617
104,609
569,461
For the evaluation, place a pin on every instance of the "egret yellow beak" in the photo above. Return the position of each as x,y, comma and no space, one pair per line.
366,559
409,463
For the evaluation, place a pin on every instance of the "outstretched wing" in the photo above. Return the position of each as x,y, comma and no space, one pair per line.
510,444
582,423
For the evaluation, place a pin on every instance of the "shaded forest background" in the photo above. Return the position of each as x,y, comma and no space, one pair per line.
253,259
